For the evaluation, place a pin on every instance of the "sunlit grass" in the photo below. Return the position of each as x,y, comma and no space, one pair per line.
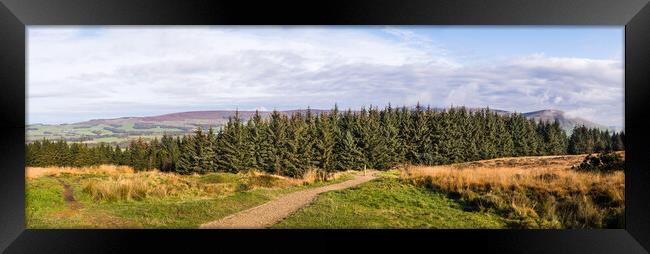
537,192
116,197
388,203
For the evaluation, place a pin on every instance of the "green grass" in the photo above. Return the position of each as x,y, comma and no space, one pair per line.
388,203
44,197
383,203
47,209
173,213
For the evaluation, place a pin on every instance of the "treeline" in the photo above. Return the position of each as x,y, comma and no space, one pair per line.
584,140
372,138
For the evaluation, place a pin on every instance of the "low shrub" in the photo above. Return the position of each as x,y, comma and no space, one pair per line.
488,201
603,162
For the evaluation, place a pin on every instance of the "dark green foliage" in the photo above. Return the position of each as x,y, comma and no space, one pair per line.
197,154
349,154
233,147
554,140
604,162
370,138
325,143
617,141
169,154
585,140
418,142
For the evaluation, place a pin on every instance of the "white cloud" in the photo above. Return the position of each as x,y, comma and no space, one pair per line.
120,71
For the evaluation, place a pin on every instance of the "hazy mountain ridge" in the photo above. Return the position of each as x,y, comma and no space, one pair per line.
120,130
567,123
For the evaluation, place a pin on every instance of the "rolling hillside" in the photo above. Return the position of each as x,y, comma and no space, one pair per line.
121,130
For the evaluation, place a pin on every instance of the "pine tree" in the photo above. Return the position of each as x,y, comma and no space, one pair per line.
274,150
187,161
169,154
325,142
350,156
617,142
390,133
208,155
470,130
372,138
419,142
232,152
256,131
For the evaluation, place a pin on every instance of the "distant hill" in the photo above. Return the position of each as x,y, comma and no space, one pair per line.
567,123
121,130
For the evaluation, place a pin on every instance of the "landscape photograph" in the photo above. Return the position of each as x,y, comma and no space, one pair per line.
325,127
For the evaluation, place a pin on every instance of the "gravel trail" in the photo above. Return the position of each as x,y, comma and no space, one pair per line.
267,214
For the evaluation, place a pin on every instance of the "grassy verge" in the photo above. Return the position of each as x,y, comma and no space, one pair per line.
149,199
388,203
531,192
519,192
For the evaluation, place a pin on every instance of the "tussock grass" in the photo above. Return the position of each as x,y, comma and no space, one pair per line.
154,184
36,172
263,180
534,192
123,183
149,184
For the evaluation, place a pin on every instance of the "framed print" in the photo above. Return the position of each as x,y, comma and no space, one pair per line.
502,126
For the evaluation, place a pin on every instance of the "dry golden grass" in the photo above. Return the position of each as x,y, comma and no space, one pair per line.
35,172
551,174
309,177
543,188
122,183
154,184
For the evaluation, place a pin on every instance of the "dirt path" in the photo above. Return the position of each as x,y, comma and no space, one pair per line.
272,212
68,196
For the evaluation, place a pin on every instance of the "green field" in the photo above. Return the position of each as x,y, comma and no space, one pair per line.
97,133
388,203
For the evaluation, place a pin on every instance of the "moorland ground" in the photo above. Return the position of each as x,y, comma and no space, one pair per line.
118,197
517,192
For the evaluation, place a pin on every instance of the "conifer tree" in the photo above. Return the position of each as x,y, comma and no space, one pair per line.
617,142
350,156
256,131
390,133
419,141
187,161
325,142
232,146
374,146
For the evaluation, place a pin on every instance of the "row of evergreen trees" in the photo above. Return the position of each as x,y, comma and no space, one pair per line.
373,138
584,140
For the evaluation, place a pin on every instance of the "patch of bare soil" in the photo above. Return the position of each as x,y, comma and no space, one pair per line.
68,197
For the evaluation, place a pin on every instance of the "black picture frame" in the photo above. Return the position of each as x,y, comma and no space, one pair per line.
15,15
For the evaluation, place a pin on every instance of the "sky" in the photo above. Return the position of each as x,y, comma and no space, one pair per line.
78,73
